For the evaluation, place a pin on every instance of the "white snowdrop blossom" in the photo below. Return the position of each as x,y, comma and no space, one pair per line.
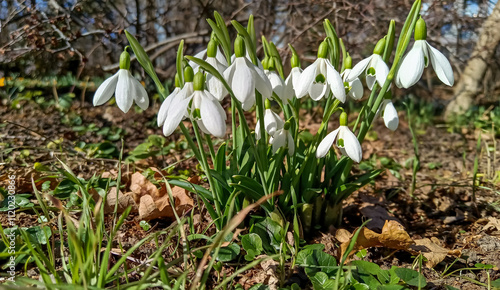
413,63
272,123
244,77
174,109
125,87
292,81
278,84
320,78
214,85
282,138
201,55
389,114
208,113
356,87
345,140
373,66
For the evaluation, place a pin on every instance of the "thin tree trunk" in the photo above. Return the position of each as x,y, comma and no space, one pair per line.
470,83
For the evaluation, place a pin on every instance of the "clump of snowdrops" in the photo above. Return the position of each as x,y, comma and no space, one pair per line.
312,175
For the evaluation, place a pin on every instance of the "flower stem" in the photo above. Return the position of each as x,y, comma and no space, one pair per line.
206,168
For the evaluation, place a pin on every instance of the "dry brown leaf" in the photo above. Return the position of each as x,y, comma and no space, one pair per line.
141,186
393,236
148,209
492,225
343,235
124,201
433,252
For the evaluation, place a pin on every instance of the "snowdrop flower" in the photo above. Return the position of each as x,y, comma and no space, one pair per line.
162,113
206,109
346,141
413,63
272,123
355,87
201,55
244,77
282,138
214,85
126,88
174,108
389,114
292,81
320,77
277,83
373,66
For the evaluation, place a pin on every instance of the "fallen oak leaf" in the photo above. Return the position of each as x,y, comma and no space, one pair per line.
148,209
433,252
141,186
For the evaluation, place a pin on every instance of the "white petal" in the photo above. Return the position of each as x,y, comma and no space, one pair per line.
248,104
257,130
175,115
290,143
124,89
370,81
277,84
356,91
441,66
381,71
306,79
351,144
200,55
141,96
391,118
211,117
216,87
105,90
272,122
358,69
335,82
220,67
412,66
243,83
279,140
221,57
262,83
326,144
162,113
317,90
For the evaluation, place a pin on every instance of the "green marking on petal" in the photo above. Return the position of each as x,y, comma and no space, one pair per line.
340,142
371,71
320,78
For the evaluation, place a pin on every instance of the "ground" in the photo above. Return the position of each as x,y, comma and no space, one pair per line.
441,208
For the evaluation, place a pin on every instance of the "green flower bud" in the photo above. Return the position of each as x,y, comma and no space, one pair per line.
125,60
270,64
348,62
343,119
239,47
188,74
287,125
420,29
212,48
380,47
323,49
295,61
265,62
177,81
267,104
199,81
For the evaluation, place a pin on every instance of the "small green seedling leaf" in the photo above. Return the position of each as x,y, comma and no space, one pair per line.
252,244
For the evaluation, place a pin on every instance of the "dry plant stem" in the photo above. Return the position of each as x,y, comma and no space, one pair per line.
232,224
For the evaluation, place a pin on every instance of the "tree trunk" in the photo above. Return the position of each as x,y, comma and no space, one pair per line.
471,79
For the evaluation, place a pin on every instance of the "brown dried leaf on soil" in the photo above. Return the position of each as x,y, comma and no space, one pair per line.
432,251
141,186
393,236
491,224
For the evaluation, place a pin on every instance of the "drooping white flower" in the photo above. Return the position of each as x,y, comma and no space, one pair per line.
272,123
355,86
214,85
201,55
208,113
373,66
282,138
292,81
345,140
174,108
125,87
244,77
277,84
320,78
389,113
413,63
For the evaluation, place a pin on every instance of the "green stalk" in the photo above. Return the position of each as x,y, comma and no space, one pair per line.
210,146
206,168
190,141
